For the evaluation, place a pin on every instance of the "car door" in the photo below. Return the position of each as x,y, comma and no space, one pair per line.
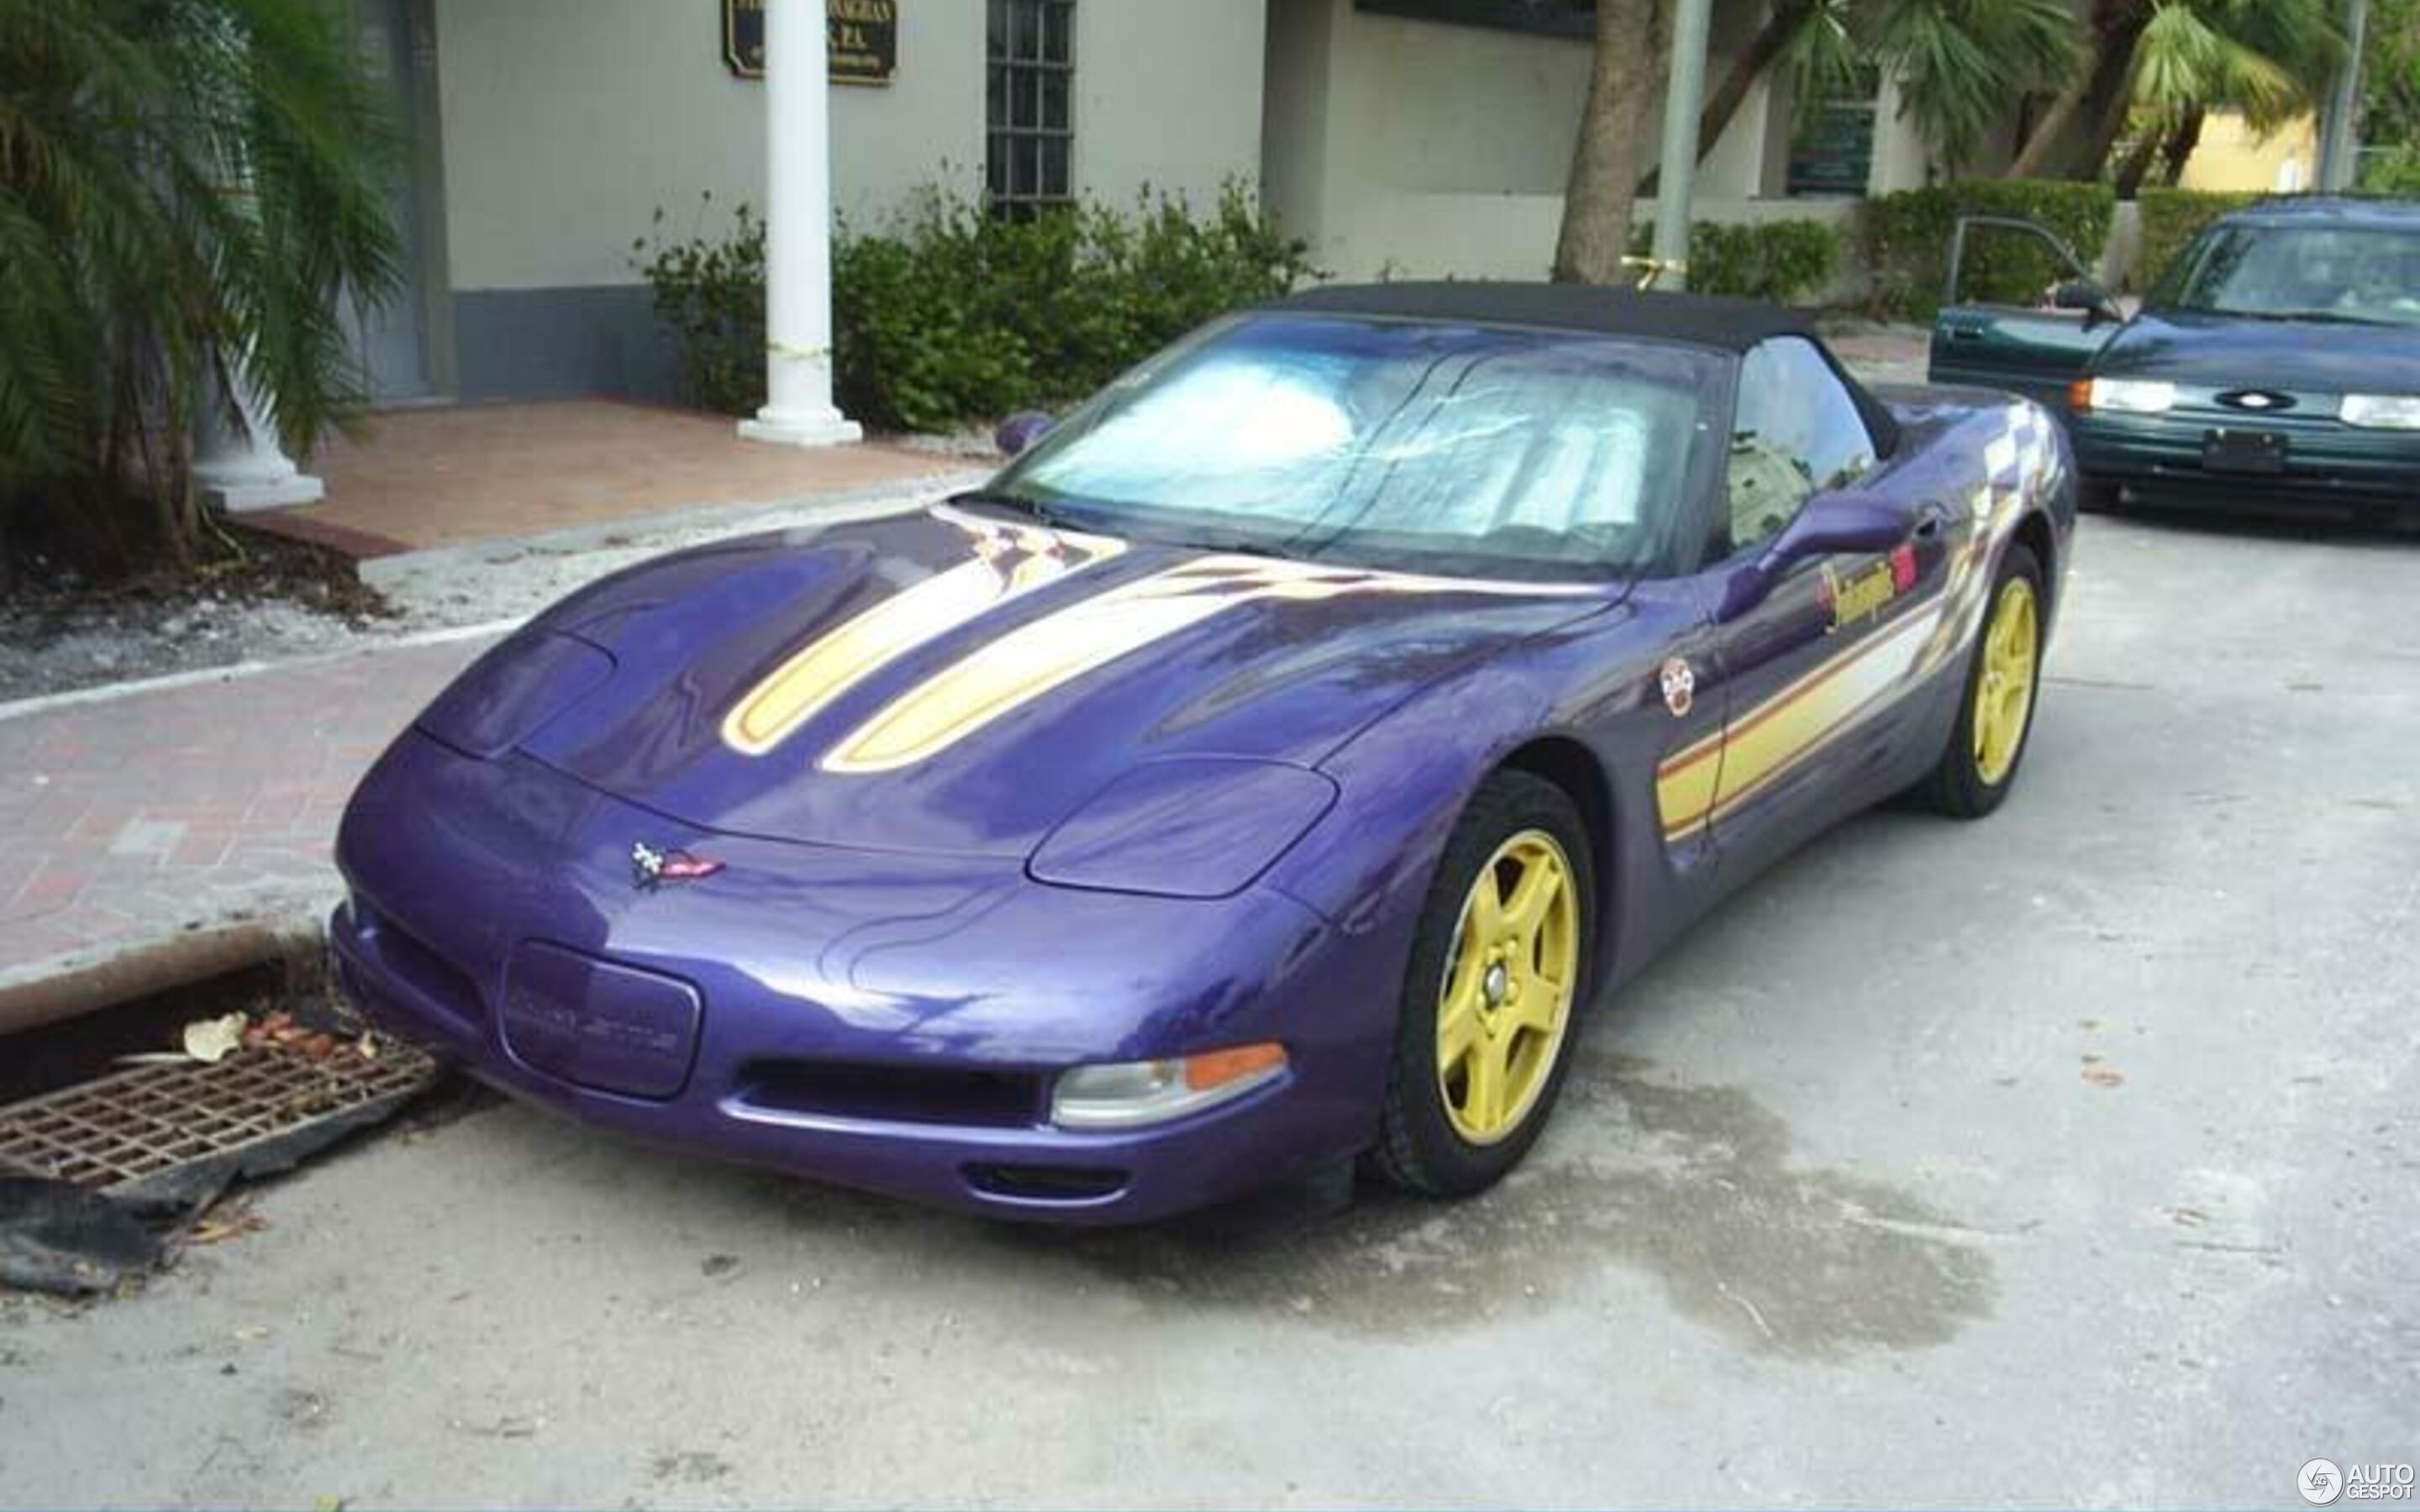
1816,674
1984,337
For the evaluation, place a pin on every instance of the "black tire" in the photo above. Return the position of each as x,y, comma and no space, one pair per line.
2098,497
1419,1148
1956,785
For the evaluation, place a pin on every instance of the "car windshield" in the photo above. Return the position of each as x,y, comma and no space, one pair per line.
1412,445
2369,275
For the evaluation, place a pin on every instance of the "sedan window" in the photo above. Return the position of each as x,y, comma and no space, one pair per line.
2370,274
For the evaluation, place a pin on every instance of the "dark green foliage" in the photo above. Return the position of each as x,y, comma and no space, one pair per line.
183,182
1907,237
951,315
2171,218
710,293
1779,260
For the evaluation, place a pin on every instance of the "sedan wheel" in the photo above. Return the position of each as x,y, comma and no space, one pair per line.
1497,978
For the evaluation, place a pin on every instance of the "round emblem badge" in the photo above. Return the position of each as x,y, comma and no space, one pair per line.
1679,685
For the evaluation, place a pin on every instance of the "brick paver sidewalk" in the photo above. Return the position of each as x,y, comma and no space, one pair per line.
131,821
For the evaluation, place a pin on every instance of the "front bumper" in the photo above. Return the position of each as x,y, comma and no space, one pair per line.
2327,463
880,1021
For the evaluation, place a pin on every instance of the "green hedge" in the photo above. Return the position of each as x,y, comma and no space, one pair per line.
950,315
1906,239
2172,218
1780,261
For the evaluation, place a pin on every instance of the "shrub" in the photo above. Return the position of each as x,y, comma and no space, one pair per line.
1907,237
950,315
1779,260
2172,218
711,294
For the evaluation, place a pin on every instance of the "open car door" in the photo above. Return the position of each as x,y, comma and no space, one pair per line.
2036,344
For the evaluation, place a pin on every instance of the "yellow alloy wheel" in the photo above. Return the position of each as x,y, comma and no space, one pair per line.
1506,1000
2012,640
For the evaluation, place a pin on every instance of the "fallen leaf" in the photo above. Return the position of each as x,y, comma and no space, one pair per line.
211,1041
2104,1076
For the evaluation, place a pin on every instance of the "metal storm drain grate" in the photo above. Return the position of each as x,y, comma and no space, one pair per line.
170,1126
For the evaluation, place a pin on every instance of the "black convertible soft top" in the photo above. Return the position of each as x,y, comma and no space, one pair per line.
1695,319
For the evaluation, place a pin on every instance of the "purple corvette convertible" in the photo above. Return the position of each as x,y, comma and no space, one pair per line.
1266,768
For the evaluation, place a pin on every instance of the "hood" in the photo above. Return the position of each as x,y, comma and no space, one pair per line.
951,682
2222,351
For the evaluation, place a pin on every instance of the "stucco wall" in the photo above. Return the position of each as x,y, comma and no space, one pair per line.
1418,148
1435,148
568,122
1168,93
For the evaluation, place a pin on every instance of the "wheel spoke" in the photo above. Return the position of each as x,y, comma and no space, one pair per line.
1541,884
1457,1026
1484,1093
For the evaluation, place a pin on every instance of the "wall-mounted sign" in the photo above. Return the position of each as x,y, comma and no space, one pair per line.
861,38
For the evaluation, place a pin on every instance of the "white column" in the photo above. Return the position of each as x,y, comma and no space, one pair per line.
799,409
240,468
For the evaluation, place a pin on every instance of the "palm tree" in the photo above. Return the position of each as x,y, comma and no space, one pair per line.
188,187
2174,59
1957,61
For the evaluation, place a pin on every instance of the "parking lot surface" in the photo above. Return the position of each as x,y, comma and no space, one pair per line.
2069,1157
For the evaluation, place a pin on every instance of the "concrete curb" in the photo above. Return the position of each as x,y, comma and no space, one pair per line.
65,987
201,676
868,503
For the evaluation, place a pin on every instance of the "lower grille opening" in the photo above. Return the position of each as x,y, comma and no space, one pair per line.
1047,1183
891,1093
421,968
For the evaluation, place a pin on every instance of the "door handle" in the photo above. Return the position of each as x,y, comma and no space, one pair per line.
1965,334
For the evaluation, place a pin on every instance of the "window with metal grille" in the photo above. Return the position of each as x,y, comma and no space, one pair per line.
1029,107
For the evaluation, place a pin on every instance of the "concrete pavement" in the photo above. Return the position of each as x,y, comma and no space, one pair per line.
2068,1158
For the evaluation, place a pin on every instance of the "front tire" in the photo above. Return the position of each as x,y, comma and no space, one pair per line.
1499,969
1978,765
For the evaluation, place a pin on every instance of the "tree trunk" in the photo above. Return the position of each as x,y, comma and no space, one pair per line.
2181,144
1631,39
2137,165
1762,51
2053,149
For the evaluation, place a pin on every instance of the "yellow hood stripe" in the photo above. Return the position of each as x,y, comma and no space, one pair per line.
1009,560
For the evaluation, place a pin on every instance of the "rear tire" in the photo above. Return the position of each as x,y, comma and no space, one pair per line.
1978,765
1490,1000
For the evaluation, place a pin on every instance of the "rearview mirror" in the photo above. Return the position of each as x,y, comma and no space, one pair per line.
1847,520
1021,430
2082,294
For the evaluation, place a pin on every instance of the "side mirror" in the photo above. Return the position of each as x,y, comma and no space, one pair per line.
2082,294
1848,521
1021,430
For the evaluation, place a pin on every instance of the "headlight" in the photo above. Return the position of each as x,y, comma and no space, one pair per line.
520,684
2381,411
1129,1094
2134,396
1188,827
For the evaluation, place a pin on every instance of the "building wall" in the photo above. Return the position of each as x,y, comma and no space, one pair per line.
567,123
1168,95
1436,149
2233,156
1408,148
